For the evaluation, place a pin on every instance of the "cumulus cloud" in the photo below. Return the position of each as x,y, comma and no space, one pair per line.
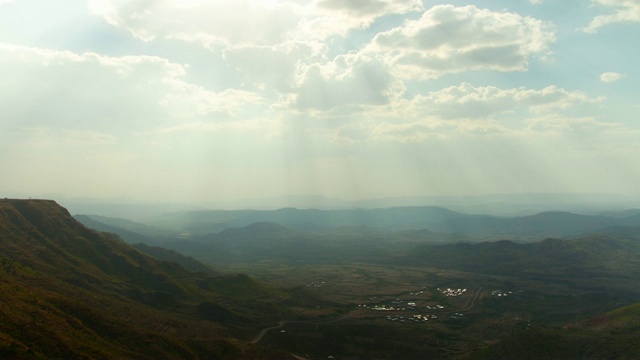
340,16
578,126
370,8
248,22
273,66
463,109
609,77
467,101
449,39
208,22
116,95
623,11
349,81
292,58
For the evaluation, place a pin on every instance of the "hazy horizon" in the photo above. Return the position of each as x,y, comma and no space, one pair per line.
221,102
509,205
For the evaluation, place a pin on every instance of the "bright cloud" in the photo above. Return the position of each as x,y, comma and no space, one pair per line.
467,101
463,109
623,11
247,22
348,82
370,9
609,77
275,66
94,92
208,22
341,16
448,39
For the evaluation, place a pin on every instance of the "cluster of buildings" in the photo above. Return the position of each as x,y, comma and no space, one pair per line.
452,292
399,306
380,308
414,318
314,285
457,316
500,293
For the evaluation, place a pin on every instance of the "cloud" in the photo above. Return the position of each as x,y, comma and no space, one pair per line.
290,60
349,82
247,22
448,39
370,8
208,22
609,77
274,66
583,128
113,95
467,101
340,16
624,11
463,109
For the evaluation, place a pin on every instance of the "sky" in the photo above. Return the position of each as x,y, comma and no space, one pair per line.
210,101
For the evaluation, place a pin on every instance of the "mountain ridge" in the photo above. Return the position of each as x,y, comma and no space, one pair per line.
82,293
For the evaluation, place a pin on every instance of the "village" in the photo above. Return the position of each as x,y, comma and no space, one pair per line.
452,292
411,311
410,306
500,293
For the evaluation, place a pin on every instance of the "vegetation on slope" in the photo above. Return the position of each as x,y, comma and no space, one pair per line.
615,335
68,291
580,257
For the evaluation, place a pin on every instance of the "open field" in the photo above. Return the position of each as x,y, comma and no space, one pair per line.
380,311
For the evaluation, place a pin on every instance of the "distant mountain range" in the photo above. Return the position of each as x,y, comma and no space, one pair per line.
496,204
435,219
581,257
590,241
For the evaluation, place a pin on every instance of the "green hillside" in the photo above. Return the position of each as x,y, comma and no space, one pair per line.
186,262
580,257
615,335
71,292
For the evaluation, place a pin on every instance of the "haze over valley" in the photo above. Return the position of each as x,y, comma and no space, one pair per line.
321,179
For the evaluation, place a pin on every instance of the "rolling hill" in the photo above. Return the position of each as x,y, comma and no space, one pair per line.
213,221
614,335
578,257
436,219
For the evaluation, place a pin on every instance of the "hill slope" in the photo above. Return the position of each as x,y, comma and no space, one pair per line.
579,257
614,335
70,292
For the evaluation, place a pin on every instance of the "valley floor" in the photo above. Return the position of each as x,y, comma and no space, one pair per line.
383,311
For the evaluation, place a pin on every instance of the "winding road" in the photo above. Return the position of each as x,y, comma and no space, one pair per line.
282,323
